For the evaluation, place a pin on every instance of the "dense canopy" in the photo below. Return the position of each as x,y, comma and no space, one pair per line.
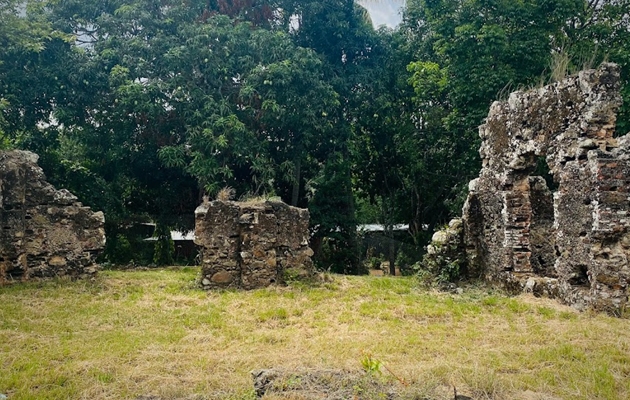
142,107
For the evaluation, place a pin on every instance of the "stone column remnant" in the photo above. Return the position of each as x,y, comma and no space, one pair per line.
574,242
44,232
252,244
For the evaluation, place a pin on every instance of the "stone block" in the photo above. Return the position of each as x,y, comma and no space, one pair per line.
249,245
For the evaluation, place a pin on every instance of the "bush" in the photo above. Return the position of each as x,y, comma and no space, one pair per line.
119,250
339,256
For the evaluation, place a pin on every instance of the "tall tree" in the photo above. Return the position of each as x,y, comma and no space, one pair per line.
28,47
203,92
341,32
467,53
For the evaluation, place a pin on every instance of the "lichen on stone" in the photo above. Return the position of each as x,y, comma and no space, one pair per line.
253,244
44,232
571,243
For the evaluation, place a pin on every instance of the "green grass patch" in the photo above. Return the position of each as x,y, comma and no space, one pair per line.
153,333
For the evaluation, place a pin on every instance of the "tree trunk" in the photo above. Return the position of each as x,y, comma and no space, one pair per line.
316,245
296,182
392,256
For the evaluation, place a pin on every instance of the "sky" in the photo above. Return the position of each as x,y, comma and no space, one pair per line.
384,12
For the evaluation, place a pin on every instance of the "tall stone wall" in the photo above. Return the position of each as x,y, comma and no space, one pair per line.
44,232
251,245
517,230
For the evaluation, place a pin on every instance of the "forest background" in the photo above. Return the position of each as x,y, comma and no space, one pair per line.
142,107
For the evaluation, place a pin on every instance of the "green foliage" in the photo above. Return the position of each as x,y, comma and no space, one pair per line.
127,245
120,250
449,271
246,107
24,28
334,255
407,257
142,107
5,143
366,211
375,262
164,246
333,222
371,365
442,265
429,82
29,52
465,53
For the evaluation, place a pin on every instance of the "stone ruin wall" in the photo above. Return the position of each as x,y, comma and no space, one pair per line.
45,232
251,245
574,243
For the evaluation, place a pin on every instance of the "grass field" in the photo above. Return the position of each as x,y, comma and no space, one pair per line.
153,333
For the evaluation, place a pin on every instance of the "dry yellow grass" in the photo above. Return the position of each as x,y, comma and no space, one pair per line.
137,333
226,194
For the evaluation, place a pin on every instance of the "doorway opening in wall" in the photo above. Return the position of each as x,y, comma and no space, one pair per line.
542,187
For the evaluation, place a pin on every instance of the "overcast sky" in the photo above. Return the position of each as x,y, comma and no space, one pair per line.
384,12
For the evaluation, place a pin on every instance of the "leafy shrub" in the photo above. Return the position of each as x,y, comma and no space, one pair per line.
164,246
118,250
370,364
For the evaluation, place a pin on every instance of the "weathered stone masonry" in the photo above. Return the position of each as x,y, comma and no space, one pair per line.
251,245
44,232
573,243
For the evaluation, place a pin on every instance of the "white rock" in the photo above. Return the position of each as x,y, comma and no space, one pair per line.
530,285
439,237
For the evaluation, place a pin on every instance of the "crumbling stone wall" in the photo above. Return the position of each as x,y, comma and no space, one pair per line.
578,238
44,232
251,245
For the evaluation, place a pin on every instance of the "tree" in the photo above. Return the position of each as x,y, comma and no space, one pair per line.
334,238
185,94
467,53
143,106
295,102
22,27
27,43
342,35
